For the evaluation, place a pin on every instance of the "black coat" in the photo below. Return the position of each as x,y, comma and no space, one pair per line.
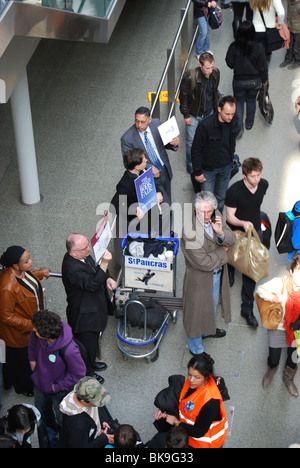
79,431
87,295
207,143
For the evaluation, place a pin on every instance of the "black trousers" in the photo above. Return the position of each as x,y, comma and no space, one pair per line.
89,339
17,371
274,357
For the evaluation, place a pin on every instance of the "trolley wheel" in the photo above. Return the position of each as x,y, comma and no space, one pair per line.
154,358
174,316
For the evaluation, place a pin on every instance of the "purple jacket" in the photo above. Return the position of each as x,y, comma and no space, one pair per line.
52,374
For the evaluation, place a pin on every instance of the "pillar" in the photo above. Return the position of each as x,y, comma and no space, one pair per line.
21,113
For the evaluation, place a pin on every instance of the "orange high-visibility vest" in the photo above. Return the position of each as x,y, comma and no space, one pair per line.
190,407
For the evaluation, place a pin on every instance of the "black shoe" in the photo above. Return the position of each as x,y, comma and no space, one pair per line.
251,320
248,126
219,334
99,366
98,377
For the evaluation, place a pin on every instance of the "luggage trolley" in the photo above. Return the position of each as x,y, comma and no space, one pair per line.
143,308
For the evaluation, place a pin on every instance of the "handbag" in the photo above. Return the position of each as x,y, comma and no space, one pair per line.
265,104
215,17
274,41
271,313
249,255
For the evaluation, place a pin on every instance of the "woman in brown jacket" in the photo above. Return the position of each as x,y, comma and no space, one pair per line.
21,296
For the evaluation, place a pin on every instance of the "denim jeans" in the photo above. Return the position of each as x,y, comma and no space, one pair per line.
48,406
202,44
217,182
195,344
190,133
246,92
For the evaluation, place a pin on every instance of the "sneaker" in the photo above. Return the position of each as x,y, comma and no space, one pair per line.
285,63
197,56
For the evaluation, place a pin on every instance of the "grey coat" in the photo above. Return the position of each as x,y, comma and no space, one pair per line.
202,256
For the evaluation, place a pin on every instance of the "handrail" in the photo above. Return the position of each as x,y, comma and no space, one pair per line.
169,62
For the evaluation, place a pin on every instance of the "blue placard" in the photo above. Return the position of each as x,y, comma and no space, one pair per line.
146,190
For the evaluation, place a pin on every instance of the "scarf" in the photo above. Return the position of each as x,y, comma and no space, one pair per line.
292,309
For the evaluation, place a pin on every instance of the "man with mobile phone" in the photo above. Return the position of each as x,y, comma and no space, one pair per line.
204,244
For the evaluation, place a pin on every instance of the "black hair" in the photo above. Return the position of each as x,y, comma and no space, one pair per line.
20,417
203,363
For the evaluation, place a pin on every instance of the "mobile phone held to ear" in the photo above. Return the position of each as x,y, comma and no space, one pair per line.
213,217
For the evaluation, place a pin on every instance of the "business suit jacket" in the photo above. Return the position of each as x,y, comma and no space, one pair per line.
87,295
131,139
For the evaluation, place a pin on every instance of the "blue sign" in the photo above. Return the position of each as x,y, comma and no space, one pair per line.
146,190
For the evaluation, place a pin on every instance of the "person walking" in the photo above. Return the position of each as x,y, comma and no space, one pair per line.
284,291
247,58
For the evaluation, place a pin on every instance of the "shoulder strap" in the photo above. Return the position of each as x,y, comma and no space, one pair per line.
262,17
193,78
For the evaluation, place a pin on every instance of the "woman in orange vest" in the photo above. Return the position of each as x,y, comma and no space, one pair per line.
201,408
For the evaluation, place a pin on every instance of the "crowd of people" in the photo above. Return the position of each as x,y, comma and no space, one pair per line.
56,362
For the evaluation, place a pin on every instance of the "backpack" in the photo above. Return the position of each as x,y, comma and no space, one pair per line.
285,237
81,348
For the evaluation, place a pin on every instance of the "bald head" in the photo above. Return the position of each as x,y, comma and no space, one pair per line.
78,246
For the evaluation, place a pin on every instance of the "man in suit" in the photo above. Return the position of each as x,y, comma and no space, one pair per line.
145,134
87,296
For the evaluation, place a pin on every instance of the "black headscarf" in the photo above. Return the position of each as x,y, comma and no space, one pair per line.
12,255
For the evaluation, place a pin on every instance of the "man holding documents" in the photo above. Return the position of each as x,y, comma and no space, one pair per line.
88,302
145,134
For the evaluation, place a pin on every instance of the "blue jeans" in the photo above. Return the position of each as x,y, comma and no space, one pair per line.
195,344
246,92
217,182
190,133
202,44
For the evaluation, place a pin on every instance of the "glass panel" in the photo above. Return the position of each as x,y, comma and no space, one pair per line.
99,8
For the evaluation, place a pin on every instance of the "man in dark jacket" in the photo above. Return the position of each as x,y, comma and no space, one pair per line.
199,97
213,149
87,296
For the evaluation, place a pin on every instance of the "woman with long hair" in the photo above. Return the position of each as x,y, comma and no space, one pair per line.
266,14
199,409
285,291
248,60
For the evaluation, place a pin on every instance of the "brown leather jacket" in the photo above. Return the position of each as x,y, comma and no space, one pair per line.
17,306
190,96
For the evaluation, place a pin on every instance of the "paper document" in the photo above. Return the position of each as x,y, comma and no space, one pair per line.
101,239
168,130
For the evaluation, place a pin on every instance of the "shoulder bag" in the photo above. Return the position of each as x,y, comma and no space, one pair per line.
274,41
271,313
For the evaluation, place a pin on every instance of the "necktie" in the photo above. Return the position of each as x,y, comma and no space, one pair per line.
152,153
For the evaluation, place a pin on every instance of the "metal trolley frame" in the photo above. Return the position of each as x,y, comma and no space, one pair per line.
159,283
